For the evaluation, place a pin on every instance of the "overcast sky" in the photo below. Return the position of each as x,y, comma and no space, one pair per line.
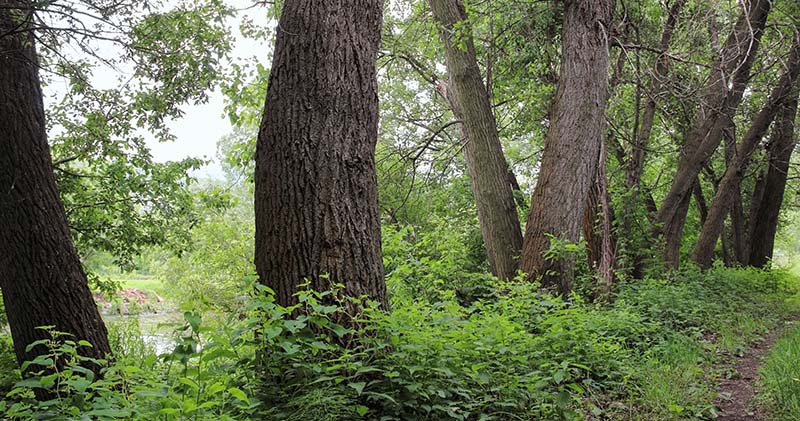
202,125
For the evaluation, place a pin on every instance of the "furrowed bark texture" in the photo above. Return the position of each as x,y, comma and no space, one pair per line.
598,221
483,152
41,276
722,97
572,143
765,221
729,185
316,198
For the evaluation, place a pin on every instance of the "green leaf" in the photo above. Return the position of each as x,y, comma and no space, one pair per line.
358,387
361,410
239,394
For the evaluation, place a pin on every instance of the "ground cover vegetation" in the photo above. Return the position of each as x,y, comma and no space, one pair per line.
560,210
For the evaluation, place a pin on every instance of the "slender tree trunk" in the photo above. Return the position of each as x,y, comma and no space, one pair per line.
494,199
660,70
635,165
41,275
723,95
576,128
780,148
700,199
704,250
316,198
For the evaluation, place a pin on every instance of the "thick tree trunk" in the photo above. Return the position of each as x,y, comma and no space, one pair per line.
41,275
758,189
573,140
765,222
316,198
597,230
723,95
704,250
494,199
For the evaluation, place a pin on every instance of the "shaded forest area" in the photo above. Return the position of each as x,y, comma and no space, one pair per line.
430,209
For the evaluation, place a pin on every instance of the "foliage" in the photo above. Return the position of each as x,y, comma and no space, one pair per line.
513,353
780,378
216,268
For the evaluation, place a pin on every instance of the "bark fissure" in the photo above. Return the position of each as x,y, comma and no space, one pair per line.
316,200
41,276
572,143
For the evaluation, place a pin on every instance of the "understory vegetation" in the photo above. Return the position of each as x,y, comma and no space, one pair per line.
780,377
455,345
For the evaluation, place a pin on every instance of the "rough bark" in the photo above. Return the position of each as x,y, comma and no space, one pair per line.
41,276
573,140
765,223
494,198
704,250
597,230
723,94
316,198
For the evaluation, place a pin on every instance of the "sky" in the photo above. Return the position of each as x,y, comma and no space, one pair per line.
202,125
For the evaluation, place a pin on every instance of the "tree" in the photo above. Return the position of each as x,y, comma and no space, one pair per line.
41,276
729,185
764,221
315,184
572,143
723,94
467,94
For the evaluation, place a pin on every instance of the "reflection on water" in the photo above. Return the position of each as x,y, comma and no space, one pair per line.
157,329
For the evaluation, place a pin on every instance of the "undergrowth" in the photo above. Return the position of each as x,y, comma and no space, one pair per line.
780,378
495,350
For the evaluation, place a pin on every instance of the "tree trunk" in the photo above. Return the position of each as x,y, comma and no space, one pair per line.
572,143
780,148
660,70
597,230
494,199
758,190
635,165
316,198
704,250
41,275
720,103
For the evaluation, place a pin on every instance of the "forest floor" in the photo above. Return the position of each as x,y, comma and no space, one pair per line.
736,395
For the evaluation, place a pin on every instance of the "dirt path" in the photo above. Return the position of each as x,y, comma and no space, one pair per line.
735,397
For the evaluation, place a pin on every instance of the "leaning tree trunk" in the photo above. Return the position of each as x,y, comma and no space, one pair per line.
641,141
41,276
723,94
729,185
494,198
765,220
316,197
572,143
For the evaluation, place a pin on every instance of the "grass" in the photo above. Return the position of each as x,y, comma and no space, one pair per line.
780,378
143,283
